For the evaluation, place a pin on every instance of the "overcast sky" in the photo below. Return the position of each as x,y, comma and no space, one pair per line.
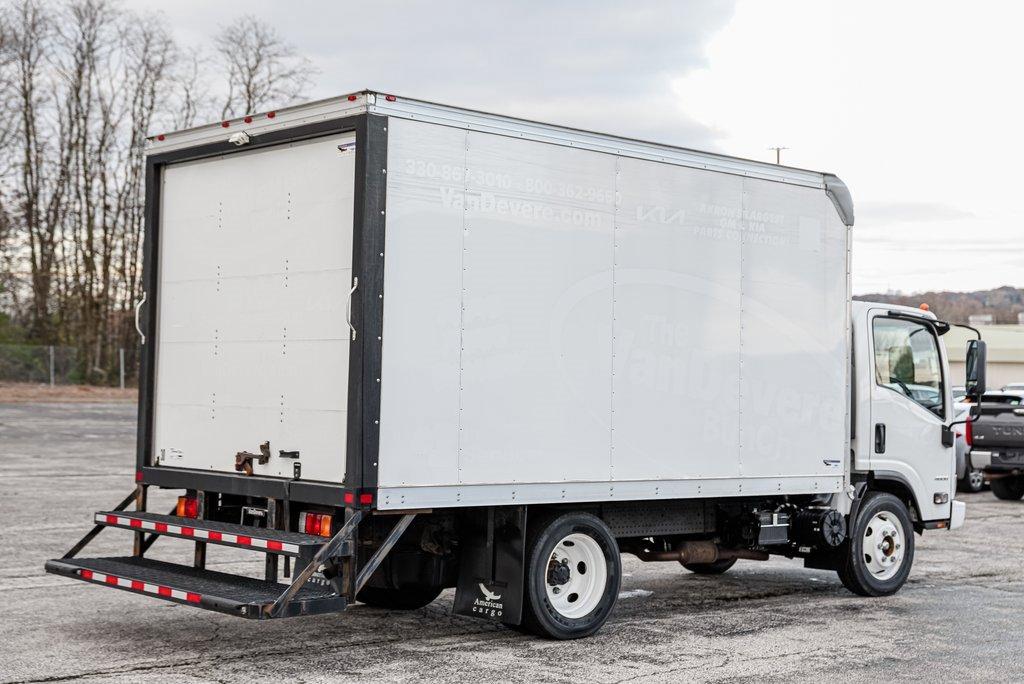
915,104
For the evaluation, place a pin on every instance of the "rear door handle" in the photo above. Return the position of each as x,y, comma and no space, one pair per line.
879,438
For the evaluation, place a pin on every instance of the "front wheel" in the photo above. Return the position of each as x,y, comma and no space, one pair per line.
1008,488
880,550
573,574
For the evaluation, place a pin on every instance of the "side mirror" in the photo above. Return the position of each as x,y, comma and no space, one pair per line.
977,355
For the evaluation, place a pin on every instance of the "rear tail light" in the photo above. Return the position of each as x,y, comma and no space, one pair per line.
188,507
969,433
315,523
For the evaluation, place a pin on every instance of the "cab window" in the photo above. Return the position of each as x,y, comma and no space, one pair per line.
907,361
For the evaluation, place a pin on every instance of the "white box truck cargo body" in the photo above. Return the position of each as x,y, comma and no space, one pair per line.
531,346
552,312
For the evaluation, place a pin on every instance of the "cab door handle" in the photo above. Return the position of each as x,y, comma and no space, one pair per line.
879,438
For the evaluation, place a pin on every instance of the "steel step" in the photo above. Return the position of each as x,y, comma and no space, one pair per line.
294,544
222,592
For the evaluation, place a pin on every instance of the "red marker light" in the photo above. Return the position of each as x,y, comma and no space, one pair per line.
188,507
271,115
315,523
160,137
225,124
350,498
352,98
247,119
366,499
138,476
390,98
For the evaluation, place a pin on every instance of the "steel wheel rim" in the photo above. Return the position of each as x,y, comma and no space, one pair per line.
976,478
884,545
576,575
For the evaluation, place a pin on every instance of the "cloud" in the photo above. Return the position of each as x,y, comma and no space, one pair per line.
909,212
601,65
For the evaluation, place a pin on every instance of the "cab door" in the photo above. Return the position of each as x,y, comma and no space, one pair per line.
909,406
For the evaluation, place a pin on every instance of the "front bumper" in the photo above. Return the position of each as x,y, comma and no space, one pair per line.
957,515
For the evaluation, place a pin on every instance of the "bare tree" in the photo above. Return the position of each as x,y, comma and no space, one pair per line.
82,83
40,164
194,100
261,68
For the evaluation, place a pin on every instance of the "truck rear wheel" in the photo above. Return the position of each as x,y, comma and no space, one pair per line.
573,572
716,568
880,550
973,481
1008,488
406,598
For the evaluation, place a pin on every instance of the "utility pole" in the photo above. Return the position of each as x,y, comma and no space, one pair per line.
778,153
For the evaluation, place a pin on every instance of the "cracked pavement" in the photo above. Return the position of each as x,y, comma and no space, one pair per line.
960,617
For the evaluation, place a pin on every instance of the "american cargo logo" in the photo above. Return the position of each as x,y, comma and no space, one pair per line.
490,605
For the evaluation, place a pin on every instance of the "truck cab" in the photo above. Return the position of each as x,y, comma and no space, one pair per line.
902,408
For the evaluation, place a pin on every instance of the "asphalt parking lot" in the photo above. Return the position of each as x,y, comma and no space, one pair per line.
960,617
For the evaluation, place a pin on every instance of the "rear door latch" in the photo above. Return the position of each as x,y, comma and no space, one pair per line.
243,459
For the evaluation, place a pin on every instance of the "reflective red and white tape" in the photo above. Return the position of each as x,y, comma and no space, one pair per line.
197,533
139,585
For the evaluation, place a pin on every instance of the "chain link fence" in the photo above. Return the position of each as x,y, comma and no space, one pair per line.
56,365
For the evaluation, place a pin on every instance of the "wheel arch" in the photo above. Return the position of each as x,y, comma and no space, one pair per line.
895,483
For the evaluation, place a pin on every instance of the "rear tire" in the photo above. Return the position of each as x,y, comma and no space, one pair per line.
1008,488
573,572
876,558
406,598
716,568
973,481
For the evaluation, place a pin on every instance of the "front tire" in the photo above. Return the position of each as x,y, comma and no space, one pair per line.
877,557
1008,488
573,573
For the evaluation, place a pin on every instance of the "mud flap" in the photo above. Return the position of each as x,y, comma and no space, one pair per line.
491,568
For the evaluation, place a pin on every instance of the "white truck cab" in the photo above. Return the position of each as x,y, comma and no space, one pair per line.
902,407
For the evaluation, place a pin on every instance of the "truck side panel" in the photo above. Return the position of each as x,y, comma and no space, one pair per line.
620,321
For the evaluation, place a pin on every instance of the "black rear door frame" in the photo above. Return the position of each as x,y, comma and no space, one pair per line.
363,433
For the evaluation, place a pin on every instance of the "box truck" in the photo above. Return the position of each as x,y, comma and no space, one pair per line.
398,347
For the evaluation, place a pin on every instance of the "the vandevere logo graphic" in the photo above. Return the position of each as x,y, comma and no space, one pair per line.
490,605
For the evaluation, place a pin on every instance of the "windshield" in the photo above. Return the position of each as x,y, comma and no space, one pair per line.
907,361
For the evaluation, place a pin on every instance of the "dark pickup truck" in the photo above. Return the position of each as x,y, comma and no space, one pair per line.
997,442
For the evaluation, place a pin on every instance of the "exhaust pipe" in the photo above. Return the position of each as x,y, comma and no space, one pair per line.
698,552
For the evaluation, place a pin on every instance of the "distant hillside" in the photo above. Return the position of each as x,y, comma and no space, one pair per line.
1004,303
